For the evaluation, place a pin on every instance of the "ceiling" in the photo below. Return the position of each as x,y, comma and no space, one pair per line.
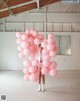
12,7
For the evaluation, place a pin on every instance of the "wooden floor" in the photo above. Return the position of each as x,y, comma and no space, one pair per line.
65,87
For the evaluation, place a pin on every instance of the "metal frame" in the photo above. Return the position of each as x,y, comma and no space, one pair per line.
23,4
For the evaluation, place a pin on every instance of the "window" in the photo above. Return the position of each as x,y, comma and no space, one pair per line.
64,44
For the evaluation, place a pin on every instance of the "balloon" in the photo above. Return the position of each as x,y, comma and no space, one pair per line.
35,63
35,33
53,65
46,63
24,37
33,69
41,37
46,57
53,72
18,34
45,51
31,39
19,48
50,40
21,55
27,32
26,51
26,77
37,41
33,77
50,47
31,58
19,41
25,44
52,53
45,71
26,70
44,44
27,63
51,35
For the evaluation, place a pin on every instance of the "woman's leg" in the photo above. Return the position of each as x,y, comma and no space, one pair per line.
43,81
39,81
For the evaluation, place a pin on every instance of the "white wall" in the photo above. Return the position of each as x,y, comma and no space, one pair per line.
9,59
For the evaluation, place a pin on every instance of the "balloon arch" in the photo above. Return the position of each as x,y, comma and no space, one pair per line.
28,42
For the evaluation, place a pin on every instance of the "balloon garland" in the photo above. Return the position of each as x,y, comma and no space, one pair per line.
28,46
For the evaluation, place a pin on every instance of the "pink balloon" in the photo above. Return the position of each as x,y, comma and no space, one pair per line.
27,63
41,37
27,32
18,34
37,41
50,40
33,77
19,48
35,63
51,35
35,34
46,57
46,63
26,77
19,41
31,39
52,53
45,71
50,47
45,51
26,51
26,70
25,44
31,58
44,44
21,55
33,69
24,37
53,65
53,72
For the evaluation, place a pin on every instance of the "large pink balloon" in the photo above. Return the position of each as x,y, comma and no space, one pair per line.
46,63
45,71
50,47
45,51
35,63
52,53
41,37
19,41
53,72
26,77
44,44
50,40
27,32
18,34
53,65
35,34
26,70
51,35
37,41
33,69
26,51
31,39
46,57
25,44
27,63
24,37
31,58
33,77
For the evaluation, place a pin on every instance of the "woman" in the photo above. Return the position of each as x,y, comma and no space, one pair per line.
41,81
